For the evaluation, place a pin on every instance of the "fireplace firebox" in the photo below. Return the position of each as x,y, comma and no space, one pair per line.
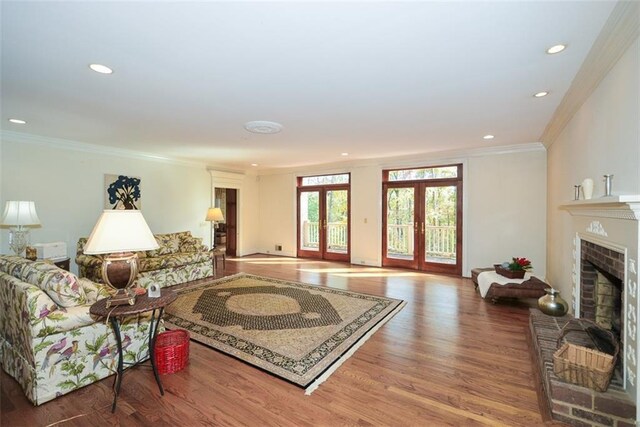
601,293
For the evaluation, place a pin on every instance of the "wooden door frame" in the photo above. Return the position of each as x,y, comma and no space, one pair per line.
322,252
418,262
436,267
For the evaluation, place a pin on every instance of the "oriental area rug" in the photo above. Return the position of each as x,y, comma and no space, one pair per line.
301,333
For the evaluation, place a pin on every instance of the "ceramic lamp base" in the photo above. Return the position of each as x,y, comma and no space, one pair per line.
118,272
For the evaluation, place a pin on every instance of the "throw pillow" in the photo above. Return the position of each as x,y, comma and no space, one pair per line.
169,244
61,286
192,244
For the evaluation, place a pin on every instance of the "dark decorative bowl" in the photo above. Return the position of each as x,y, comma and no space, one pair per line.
511,274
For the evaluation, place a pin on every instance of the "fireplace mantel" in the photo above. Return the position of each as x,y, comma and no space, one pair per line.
620,207
613,223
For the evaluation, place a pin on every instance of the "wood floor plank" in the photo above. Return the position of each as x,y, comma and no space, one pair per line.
448,358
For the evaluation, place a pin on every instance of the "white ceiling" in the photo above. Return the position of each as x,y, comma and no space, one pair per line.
375,79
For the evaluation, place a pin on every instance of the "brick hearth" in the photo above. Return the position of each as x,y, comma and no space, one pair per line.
569,403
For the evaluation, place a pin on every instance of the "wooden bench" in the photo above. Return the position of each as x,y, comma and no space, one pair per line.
532,288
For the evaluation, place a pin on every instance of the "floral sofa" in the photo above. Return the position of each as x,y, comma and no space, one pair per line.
48,340
180,258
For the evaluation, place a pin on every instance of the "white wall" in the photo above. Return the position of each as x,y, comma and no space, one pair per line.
67,186
603,137
277,219
506,209
504,212
366,205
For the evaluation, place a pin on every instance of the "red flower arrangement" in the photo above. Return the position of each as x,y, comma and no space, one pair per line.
520,264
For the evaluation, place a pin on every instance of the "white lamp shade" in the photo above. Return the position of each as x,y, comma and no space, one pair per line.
120,231
20,213
214,214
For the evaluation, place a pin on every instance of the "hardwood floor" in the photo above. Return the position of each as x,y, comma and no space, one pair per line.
448,358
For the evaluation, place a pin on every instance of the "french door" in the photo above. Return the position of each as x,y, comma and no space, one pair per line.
422,225
323,222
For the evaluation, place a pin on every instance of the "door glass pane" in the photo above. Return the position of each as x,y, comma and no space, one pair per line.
440,224
309,225
423,173
337,205
400,222
342,178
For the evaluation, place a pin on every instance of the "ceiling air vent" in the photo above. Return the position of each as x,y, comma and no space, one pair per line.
262,126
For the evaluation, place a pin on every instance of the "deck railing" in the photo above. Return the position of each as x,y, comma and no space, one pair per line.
337,236
440,241
400,240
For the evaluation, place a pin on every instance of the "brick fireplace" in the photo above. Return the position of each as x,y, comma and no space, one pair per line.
604,277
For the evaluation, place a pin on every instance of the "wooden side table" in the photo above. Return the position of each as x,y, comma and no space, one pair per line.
115,314
215,254
62,263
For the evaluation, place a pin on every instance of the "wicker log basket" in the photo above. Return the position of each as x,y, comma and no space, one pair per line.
581,365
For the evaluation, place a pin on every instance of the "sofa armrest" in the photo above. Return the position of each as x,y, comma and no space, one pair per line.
24,306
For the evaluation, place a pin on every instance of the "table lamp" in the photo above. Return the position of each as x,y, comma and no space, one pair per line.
214,215
119,233
19,215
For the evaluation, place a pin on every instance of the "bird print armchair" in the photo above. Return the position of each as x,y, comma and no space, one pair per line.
49,342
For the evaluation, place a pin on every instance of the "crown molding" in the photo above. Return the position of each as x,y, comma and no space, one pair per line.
618,33
418,159
65,144
225,173
399,161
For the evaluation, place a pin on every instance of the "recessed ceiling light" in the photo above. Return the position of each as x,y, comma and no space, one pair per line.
541,94
344,154
488,137
254,164
556,49
102,69
18,121
263,127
